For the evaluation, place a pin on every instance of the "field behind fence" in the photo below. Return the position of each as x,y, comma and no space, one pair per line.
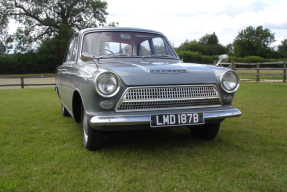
239,67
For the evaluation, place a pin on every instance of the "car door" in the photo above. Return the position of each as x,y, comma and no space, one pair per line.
65,71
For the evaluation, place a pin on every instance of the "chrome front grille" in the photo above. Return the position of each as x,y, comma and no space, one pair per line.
163,98
170,93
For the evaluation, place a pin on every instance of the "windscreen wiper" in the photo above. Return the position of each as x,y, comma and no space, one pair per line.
162,55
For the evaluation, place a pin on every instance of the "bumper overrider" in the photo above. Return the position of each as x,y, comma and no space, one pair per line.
120,120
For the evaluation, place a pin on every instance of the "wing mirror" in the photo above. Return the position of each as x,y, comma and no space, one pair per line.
223,58
85,56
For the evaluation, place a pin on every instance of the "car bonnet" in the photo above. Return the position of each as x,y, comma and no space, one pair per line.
140,73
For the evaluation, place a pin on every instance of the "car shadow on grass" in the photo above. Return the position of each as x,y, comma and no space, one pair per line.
142,140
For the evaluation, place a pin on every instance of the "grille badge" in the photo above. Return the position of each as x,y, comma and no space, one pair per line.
169,71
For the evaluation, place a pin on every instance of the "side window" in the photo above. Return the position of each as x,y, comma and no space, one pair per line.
145,48
75,49
160,47
70,50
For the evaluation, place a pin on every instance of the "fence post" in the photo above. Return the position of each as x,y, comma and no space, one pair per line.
214,62
22,82
257,75
284,72
232,65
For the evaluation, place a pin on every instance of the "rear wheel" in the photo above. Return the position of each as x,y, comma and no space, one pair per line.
64,111
92,138
206,132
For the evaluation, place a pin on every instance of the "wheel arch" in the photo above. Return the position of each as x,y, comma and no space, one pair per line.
76,106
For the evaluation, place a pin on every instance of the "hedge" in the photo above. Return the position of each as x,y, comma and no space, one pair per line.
195,57
29,63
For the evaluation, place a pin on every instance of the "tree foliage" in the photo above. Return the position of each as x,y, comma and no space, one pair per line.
282,48
209,39
256,42
207,45
42,19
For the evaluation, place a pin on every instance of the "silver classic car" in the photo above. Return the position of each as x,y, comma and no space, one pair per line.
119,79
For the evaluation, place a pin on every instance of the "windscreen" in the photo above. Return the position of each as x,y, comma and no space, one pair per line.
126,43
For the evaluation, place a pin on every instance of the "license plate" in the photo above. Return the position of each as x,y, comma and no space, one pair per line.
182,119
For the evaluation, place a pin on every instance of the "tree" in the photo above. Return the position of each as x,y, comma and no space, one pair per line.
209,39
207,45
253,42
43,19
283,48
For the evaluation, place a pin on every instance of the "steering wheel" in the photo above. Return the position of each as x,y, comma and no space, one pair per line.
112,53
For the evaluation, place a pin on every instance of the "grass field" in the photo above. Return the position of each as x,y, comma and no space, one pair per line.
40,150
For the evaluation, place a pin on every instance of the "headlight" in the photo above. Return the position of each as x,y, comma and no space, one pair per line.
229,81
107,84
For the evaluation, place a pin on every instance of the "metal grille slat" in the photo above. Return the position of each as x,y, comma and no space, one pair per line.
176,97
170,93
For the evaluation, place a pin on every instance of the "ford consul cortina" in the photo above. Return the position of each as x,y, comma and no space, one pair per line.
115,79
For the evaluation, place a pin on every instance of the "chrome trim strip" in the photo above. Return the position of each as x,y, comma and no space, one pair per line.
145,119
64,71
173,99
119,120
222,114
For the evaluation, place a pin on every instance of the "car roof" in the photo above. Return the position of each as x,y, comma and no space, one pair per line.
119,29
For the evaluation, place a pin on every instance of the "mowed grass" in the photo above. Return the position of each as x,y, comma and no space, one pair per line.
263,74
40,150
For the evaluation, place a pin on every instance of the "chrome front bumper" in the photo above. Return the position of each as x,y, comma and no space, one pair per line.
145,119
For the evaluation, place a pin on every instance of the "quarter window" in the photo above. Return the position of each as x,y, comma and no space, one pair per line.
75,49
160,47
145,48
72,50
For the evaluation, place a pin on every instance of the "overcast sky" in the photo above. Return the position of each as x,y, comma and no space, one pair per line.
191,19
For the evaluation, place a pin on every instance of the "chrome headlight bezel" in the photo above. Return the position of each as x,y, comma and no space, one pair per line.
222,79
117,88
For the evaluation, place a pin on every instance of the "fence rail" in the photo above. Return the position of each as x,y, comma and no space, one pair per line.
258,68
22,84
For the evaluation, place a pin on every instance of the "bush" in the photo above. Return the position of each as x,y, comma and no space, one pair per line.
29,63
195,57
208,59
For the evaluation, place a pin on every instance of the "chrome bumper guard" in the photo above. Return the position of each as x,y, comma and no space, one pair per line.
145,119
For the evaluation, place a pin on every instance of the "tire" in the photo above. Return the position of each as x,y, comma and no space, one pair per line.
206,132
92,138
64,111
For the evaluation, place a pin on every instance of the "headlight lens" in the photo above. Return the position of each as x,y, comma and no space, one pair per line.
230,81
107,83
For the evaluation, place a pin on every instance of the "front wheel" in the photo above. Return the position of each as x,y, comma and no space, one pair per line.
206,132
92,138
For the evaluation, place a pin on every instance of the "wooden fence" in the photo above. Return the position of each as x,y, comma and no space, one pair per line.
259,66
22,84
233,65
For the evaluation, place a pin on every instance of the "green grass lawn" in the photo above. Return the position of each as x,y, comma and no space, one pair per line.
40,150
